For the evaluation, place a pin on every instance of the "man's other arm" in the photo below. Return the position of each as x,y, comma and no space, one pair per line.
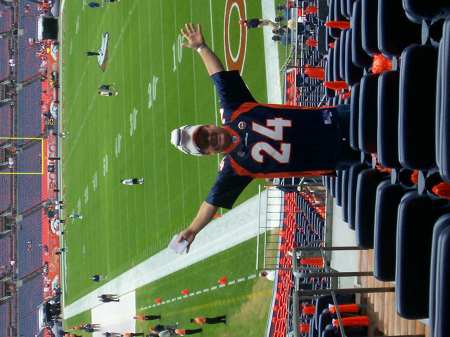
195,40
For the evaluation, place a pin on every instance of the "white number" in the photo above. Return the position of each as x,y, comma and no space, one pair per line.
177,52
151,90
281,156
278,124
133,120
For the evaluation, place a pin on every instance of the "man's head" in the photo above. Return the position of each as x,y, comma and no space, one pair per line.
200,139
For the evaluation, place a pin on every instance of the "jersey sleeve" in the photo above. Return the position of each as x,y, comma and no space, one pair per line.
227,187
231,89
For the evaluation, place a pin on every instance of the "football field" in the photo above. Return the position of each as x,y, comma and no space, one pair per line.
160,86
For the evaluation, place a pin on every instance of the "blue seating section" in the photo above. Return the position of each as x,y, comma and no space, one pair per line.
28,62
29,111
30,296
29,186
4,319
29,239
5,192
5,250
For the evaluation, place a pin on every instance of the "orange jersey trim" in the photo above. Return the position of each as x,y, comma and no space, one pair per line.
246,107
243,172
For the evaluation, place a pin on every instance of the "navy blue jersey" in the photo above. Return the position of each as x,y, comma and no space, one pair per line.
269,140
281,141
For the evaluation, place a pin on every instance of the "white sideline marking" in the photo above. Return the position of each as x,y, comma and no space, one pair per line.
116,316
221,234
271,56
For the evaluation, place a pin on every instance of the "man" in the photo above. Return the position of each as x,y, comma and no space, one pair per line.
107,90
260,140
132,181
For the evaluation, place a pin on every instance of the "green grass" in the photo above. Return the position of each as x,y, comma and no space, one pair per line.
128,136
246,300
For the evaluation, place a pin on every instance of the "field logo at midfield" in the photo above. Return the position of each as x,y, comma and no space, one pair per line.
235,62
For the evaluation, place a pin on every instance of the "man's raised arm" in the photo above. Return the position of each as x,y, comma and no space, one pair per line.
204,216
195,40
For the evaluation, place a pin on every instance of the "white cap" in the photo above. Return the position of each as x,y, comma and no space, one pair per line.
183,139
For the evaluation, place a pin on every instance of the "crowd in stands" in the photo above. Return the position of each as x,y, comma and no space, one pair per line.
23,75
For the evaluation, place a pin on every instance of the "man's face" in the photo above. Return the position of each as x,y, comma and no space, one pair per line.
212,139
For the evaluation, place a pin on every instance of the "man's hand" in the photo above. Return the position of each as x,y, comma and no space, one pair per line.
189,236
193,35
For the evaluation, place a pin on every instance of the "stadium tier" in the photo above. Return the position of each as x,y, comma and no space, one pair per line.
28,110
29,244
29,297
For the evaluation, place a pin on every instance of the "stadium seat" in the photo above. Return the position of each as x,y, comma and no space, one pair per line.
367,184
387,199
416,217
349,7
387,121
344,195
442,141
395,31
369,23
338,187
337,61
334,33
344,10
338,16
354,117
416,133
353,173
342,54
440,278
333,187
359,56
420,9
329,73
367,123
352,73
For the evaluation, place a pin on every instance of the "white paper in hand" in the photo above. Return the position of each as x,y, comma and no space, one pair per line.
178,247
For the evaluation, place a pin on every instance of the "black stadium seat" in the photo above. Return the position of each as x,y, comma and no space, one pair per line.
339,187
421,9
353,173
439,310
354,117
395,31
416,217
417,107
349,7
388,198
334,33
344,195
442,142
344,10
369,22
359,56
329,74
367,123
387,123
342,55
352,73
368,181
337,60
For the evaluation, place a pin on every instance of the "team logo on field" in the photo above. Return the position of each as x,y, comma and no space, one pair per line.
235,62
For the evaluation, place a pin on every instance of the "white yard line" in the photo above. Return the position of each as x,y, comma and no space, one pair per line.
223,233
271,55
